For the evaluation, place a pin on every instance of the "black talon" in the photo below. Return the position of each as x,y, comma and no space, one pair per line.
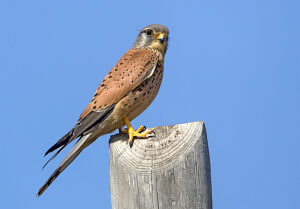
153,132
142,130
131,144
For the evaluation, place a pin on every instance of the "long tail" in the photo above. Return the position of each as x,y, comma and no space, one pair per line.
75,151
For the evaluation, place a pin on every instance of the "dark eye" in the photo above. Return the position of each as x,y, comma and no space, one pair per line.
149,32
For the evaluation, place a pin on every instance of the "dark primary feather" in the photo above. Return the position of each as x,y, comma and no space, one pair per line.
86,123
91,119
62,141
60,149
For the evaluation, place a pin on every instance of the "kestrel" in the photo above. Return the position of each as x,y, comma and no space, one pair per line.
125,92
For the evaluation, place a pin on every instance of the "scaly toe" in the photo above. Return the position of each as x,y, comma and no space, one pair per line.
143,134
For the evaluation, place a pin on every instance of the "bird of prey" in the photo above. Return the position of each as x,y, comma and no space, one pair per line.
125,92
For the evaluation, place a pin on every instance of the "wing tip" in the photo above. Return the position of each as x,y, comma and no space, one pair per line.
61,142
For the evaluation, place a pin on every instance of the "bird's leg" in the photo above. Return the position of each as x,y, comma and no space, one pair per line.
140,132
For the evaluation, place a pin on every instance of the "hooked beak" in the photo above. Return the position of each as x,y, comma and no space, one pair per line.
160,37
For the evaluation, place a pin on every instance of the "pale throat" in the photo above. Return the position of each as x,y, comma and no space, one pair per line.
156,45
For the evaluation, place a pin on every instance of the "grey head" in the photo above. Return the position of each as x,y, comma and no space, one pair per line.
153,36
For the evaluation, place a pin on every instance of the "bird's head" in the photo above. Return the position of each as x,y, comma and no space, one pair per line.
153,36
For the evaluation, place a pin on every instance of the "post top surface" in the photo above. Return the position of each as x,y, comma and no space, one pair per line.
157,153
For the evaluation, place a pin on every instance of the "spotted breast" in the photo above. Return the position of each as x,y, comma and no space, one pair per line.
142,96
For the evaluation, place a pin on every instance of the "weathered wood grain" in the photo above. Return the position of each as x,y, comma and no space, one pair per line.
170,170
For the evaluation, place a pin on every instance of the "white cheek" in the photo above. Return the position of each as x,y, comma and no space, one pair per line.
144,37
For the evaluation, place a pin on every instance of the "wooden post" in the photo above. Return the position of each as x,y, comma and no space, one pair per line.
168,171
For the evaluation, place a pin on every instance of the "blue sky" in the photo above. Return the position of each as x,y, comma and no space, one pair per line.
233,64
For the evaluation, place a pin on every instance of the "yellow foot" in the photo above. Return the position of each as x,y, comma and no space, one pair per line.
132,133
140,132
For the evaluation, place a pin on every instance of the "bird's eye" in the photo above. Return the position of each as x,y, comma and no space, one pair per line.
149,32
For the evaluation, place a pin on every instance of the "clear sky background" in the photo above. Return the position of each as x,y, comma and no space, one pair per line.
233,64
